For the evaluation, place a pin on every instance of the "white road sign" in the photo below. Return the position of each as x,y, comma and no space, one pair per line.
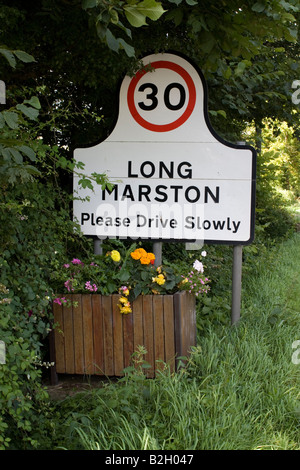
175,178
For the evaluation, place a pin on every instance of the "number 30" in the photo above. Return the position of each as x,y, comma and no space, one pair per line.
154,102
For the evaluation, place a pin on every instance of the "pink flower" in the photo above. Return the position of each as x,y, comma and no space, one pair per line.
66,265
68,285
59,301
76,261
90,287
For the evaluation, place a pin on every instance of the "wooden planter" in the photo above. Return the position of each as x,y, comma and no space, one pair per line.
94,338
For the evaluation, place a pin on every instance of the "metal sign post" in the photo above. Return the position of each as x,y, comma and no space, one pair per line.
236,283
157,250
97,246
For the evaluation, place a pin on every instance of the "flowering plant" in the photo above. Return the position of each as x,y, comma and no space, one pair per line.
195,282
127,272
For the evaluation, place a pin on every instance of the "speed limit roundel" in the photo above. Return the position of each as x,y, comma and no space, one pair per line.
163,98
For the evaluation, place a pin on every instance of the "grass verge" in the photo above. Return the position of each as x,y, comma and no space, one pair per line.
240,389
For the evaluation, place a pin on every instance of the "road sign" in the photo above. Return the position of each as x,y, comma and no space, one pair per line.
175,178
168,101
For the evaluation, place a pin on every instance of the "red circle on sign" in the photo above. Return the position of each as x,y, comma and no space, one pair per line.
162,64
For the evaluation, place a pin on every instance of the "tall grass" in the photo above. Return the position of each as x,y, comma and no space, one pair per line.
240,389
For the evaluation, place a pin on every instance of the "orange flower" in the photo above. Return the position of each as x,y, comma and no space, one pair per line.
151,257
135,255
138,253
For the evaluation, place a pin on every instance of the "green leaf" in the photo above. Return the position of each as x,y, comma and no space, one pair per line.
176,15
227,74
34,102
32,170
207,42
28,152
31,113
222,113
151,8
112,42
137,290
88,4
124,275
86,183
134,17
24,57
290,35
11,119
16,155
127,48
126,30
9,56
259,7
136,14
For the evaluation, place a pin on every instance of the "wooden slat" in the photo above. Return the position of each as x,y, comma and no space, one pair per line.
117,337
98,334
169,331
148,333
78,335
192,339
138,328
69,337
108,336
185,323
59,339
177,321
188,326
159,334
87,323
127,338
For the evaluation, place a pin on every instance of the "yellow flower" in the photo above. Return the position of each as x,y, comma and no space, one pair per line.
124,305
125,310
160,280
124,290
115,255
154,292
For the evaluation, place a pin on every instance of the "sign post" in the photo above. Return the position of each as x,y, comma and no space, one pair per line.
174,178
236,283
